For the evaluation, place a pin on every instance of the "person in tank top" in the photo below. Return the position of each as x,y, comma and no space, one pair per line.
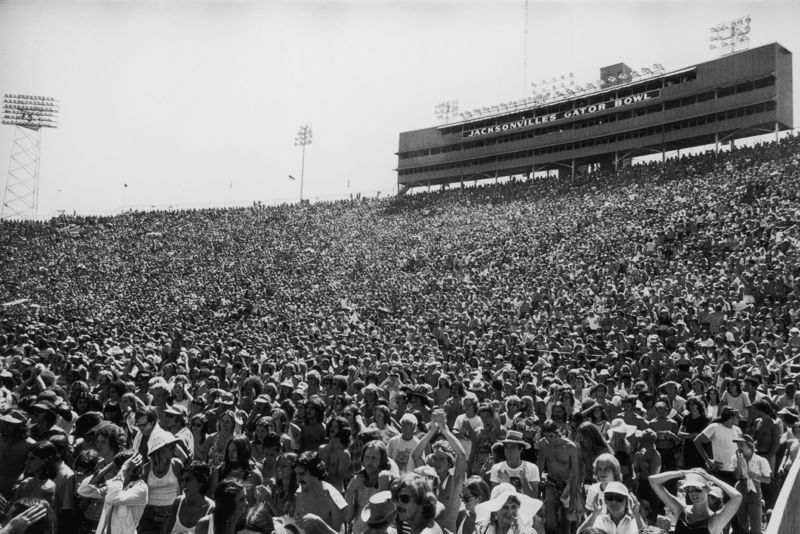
161,475
697,517
193,504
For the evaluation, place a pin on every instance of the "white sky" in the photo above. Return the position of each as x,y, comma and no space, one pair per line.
182,98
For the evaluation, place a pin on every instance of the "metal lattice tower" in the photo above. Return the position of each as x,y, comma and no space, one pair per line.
28,114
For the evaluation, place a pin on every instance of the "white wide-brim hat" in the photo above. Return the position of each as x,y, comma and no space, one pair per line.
528,506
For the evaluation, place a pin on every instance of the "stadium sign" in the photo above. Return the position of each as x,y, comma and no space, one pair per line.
568,114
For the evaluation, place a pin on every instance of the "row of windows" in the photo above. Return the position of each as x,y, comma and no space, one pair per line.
604,140
705,96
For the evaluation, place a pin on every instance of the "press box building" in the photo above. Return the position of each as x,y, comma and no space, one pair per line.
740,95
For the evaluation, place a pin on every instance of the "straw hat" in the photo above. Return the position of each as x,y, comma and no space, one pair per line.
528,507
379,509
514,437
160,438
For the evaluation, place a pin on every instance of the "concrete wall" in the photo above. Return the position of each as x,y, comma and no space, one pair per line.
786,514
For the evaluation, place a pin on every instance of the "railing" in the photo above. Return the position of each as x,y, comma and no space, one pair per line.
785,518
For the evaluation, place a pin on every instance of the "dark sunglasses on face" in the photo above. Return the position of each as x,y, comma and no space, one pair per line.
405,499
692,490
610,497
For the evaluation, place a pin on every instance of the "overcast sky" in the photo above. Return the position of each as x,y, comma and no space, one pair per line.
196,103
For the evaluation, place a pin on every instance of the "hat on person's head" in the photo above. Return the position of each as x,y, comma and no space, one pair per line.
225,398
287,383
48,395
411,393
176,409
477,386
694,480
42,406
160,438
14,417
514,437
619,426
264,398
616,488
669,383
381,508
528,507
746,439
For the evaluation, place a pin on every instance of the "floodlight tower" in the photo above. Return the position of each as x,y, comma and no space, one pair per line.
28,114
727,35
303,138
446,110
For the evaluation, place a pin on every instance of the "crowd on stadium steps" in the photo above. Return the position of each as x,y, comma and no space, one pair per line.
617,353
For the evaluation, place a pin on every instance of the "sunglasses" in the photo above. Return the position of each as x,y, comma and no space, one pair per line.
611,497
405,499
692,489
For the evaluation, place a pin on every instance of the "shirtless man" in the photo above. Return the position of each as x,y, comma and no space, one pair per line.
317,500
14,446
559,460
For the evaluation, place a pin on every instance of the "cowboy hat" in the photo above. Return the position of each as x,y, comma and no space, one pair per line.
379,509
528,507
514,437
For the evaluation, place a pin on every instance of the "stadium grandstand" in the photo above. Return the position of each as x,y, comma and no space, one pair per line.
617,348
740,95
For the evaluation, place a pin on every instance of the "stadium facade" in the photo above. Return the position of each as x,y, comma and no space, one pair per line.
740,95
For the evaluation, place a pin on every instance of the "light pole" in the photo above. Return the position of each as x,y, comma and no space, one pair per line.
446,110
29,114
726,35
303,138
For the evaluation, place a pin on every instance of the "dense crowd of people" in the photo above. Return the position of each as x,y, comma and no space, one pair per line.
613,354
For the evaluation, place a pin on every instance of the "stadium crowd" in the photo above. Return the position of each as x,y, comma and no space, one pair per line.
612,354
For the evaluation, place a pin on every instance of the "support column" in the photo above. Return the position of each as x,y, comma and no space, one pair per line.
716,142
777,131
573,171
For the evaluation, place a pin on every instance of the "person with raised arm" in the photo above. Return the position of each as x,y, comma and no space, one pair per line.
697,517
444,457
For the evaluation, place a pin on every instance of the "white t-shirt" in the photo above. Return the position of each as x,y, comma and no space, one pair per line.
476,424
502,472
400,451
722,444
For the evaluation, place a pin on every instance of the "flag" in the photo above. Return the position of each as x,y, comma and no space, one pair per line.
291,177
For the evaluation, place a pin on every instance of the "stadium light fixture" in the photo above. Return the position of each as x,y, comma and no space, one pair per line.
446,110
28,114
303,138
726,36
